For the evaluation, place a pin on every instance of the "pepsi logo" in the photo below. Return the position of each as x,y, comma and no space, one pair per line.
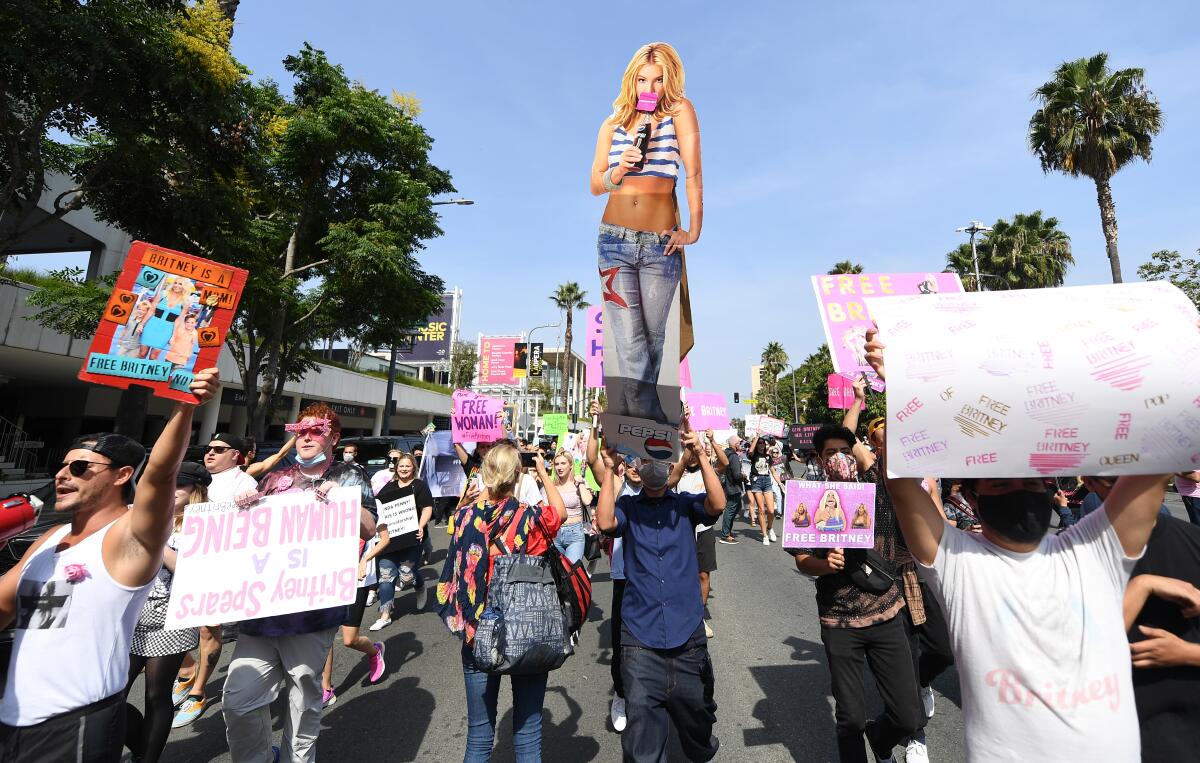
658,448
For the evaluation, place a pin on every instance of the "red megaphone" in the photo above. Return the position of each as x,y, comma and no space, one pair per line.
18,513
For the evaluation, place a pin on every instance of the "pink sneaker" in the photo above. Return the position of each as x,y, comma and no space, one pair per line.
377,665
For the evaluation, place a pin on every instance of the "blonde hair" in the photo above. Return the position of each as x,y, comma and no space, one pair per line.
659,54
501,468
199,494
570,463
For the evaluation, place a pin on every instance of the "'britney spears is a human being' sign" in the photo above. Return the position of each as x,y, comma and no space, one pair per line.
288,553
829,515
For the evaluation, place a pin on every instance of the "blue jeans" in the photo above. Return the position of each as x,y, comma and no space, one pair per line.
570,541
483,690
733,503
1192,506
638,285
389,572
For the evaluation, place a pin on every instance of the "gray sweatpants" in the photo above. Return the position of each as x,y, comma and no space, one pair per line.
260,666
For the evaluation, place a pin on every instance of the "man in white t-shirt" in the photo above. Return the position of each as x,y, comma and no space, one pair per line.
686,477
1035,622
222,457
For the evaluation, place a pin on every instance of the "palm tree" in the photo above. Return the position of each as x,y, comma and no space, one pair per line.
568,297
1093,121
1028,253
845,267
774,361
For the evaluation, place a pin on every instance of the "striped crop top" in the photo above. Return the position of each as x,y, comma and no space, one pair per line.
662,152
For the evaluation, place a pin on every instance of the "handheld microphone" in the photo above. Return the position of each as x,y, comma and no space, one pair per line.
646,104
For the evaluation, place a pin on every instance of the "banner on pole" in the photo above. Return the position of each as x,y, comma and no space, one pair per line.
288,553
520,359
496,360
535,359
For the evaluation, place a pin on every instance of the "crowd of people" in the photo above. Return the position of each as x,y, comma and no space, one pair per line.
1060,655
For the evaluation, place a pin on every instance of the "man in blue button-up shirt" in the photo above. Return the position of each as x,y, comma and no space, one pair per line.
665,665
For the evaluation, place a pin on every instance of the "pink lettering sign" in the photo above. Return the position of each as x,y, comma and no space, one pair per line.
476,417
709,411
829,515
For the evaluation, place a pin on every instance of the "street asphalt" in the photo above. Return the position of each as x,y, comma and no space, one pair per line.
772,683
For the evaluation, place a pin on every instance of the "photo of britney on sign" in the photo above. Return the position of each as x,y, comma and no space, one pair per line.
829,515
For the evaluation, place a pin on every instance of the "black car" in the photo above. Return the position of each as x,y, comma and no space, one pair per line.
372,451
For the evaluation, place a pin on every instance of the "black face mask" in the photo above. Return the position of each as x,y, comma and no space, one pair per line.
1021,516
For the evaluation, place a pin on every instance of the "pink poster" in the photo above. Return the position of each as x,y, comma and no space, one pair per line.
685,374
829,515
593,351
476,417
709,411
841,392
842,302
496,360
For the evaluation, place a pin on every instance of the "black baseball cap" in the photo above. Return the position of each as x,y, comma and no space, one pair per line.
117,448
192,473
236,443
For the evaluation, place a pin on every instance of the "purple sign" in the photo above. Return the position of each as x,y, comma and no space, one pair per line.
829,515
431,342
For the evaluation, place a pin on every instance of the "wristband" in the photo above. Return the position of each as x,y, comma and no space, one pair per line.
609,185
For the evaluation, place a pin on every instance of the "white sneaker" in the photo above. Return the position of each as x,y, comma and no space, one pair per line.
422,597
616,714
771,533
708,631
927,700
380,624
766,541
916,752
371,597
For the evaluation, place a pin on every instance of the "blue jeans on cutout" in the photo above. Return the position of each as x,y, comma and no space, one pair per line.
570,541
483,690
638,286
389,571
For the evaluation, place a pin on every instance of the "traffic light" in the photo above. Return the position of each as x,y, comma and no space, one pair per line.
736,397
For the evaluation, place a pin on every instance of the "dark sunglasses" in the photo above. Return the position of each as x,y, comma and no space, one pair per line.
218,449
79,466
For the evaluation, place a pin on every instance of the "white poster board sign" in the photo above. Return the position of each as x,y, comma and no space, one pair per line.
1090,380
287,553
399,515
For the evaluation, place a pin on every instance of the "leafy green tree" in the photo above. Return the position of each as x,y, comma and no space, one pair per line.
1093,121
811,379
129,84
1166,265
338,184
1030,252
568,297
464,358
845,267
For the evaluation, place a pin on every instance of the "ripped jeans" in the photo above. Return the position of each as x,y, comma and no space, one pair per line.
638,284
401,568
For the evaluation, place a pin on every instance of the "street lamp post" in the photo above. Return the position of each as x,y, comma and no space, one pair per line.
386,427
795,410
973,228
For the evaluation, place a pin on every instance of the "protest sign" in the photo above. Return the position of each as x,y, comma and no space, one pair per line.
593,351
842,299
752,420
167,316
476,417
555,424
399,515
496,357
709,411
685,374
440,467
800,436
841,392
1097,380
288,553
772,427
829,514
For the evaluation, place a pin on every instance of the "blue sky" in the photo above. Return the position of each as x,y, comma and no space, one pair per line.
864,131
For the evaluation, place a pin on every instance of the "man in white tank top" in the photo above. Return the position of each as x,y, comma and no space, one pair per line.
74,598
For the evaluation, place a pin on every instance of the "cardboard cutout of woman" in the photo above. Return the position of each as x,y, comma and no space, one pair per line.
651,139
830,517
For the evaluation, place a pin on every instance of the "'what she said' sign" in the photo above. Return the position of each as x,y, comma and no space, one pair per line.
1096,380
